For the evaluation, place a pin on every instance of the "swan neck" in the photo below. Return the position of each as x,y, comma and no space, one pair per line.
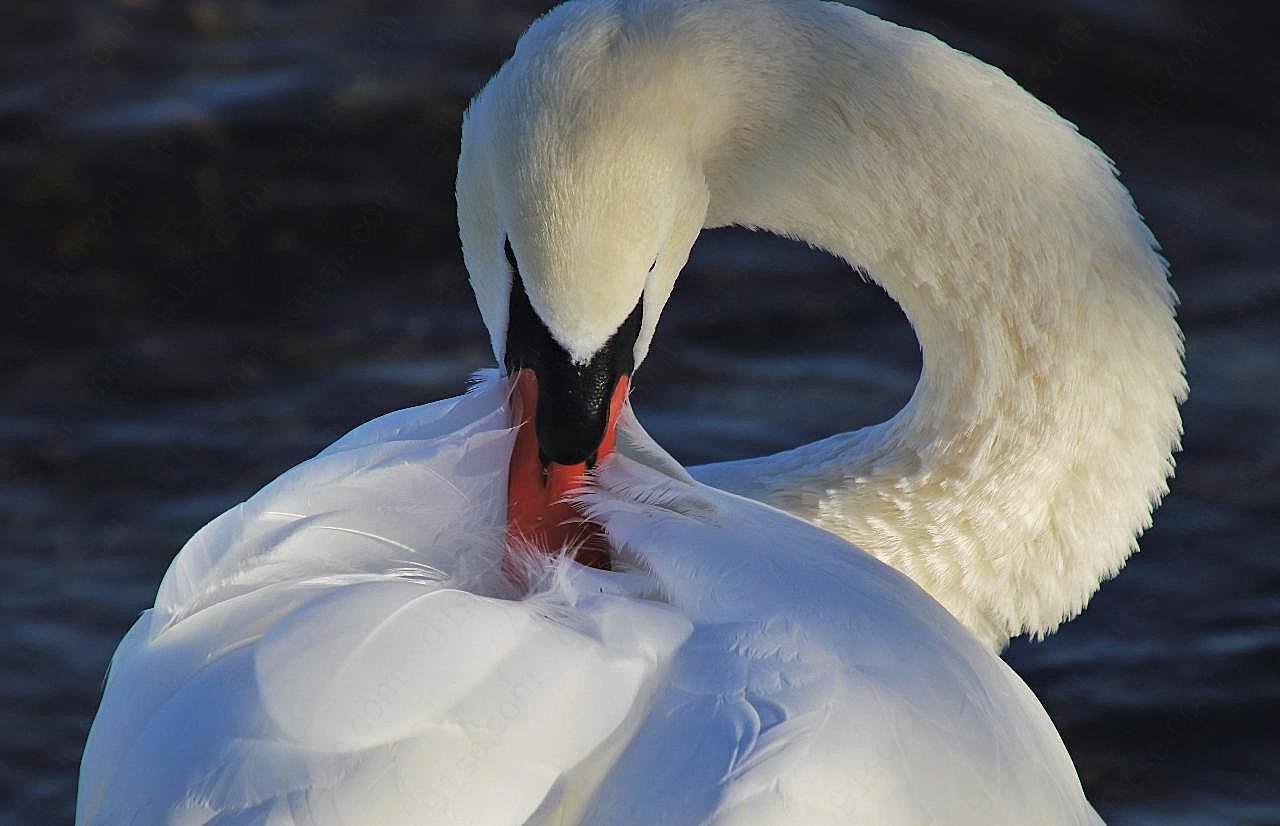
1040,433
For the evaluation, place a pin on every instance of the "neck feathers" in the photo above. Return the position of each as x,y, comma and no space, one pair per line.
1040,435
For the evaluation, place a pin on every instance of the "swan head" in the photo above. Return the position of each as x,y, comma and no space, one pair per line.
578,166
579,198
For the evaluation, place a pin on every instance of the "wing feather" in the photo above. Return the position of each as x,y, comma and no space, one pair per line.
342,648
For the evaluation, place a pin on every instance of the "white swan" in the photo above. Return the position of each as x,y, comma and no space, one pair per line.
345,646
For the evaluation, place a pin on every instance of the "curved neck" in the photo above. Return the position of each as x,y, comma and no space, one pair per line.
1040,433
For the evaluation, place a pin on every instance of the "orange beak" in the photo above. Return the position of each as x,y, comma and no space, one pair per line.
539,517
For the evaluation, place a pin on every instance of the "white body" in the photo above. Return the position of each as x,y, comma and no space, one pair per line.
343,648
340,649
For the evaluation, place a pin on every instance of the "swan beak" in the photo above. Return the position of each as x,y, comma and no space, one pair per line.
539,515
567,414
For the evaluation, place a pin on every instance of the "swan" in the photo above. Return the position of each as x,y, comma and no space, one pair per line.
514,607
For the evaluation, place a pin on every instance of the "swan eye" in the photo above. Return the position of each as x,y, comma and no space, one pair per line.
511,256
653,265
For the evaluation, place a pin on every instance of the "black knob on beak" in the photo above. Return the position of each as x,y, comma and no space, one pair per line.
573,399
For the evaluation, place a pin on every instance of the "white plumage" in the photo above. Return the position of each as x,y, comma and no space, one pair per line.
341,650
344,647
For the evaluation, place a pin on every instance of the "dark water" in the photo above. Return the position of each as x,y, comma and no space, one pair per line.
228,237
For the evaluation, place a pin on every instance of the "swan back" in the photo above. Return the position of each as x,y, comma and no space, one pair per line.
341,648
